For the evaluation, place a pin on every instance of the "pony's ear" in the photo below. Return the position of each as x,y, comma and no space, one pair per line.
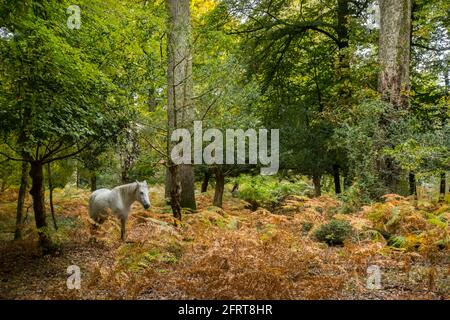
137,182
145,182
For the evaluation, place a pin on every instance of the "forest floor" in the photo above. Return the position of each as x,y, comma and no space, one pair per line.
229,253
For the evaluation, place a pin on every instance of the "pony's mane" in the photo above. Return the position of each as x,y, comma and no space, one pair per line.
126,188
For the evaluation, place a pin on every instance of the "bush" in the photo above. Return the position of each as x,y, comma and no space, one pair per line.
370,127
266,191
307,226
334,232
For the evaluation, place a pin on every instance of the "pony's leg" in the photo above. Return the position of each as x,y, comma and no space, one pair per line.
97,221
93,230
123,223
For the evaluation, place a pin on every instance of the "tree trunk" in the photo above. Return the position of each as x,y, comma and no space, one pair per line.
412,184
93,181
78,176
220,185
179,98
129,152
125,176
151,102
447,95
168,183
187,178
343,70
394,51
175,192
390,173
442,187
317,186
50,191
3,186
37,193
393,80
205,182
337,179
21,201
342,23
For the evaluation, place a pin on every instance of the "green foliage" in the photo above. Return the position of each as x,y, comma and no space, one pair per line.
397,242
135,257
352,199
266,191
9,174
62,172
307,226
427,153
334,232
57,93
145,167
67,225
365,132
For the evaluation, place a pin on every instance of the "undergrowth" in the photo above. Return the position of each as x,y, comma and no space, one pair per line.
238,252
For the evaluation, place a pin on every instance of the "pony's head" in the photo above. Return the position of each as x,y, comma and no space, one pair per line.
142,194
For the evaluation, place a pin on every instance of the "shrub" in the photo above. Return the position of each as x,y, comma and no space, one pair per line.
266,191
363,136
307,226
334,232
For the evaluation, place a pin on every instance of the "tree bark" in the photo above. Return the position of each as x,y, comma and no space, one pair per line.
167,183
3,186
124,176
37,193
394,51
179,98
235,190
205,182
78,176
317,185
412,184
175,192
394,76
151,102
21,201
220,185
93,181
343,69
187,178
342,24
442,186
337,179
50,191
129,152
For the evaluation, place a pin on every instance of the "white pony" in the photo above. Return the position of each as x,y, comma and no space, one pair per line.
119,201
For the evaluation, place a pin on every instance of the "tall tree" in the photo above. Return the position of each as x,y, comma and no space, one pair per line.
394,51
60,100
394,78
179,99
